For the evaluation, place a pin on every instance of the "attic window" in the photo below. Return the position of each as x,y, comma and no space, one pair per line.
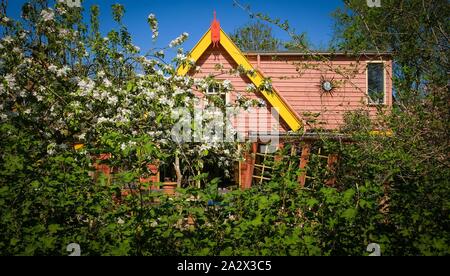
376,83
215,90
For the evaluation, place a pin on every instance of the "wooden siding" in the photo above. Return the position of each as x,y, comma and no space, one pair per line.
298,80
256,119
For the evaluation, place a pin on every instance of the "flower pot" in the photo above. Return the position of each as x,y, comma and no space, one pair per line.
153,168
169,188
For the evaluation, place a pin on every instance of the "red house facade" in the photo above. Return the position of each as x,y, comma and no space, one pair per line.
309,91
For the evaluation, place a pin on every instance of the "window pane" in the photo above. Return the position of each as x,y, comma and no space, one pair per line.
376,82
215,90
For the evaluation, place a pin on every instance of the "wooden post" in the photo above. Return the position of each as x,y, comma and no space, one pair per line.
331,166
242,172
198,182
155,176
249,167
304,159
279,156
178,171
103,168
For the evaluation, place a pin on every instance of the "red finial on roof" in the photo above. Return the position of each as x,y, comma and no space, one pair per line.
215,31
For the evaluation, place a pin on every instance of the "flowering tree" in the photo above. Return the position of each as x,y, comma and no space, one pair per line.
69,97
69,85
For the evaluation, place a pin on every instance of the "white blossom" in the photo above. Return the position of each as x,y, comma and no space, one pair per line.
179,40
113,100
10,81
107,83
51,149
165,101
227,85
86,86
63,71
102,120
160,53
123,146
150,95
153,25
204,85
181,57
64,32
52,68
267,85
47,15
262,102
250,88
61,10
177,92
8,39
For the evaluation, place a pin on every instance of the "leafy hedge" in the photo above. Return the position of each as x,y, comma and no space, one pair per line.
48,204
390,190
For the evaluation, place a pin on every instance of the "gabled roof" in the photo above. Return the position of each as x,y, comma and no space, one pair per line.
286,112
317,53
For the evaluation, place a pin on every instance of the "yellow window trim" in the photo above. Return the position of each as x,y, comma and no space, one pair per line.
273,97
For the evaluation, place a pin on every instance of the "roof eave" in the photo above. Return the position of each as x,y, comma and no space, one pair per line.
317,53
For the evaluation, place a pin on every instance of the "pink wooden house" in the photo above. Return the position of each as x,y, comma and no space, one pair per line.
310,91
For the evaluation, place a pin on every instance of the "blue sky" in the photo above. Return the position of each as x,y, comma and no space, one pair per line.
195,16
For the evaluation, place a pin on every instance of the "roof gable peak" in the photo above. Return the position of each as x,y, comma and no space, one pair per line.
216,36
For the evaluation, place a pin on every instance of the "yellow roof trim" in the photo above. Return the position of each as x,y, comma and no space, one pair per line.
196,52
273,97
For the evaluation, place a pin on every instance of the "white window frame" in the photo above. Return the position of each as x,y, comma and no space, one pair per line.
227,95
384,83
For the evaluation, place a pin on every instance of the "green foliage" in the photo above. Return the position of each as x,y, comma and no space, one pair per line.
391,190
415,31
256,36
413,165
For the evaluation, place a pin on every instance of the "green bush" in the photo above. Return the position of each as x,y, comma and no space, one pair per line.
392,190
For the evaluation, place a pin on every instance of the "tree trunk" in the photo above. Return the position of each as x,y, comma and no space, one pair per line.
178,171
